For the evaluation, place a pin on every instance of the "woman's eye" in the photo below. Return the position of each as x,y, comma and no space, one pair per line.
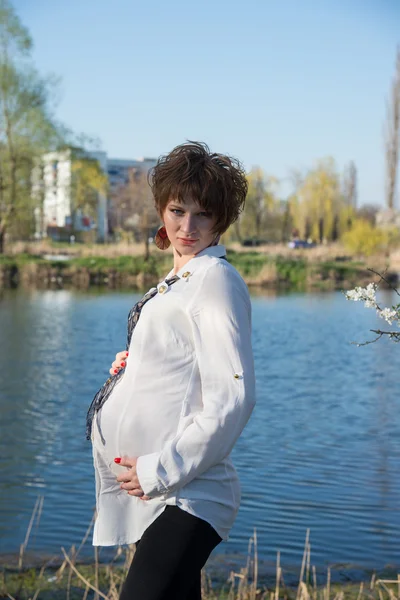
205,214
176,211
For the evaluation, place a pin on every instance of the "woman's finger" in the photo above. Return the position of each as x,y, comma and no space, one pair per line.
131,481
131,485
117,365
121,356
129,476
138,493
126,461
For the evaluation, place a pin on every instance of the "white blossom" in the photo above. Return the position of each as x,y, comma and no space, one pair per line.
370,303
353,295
367,295
370,292
389,315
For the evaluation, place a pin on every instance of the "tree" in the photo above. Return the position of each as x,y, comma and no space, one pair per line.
392,137
27,129
133,207
318,207
87,182
261,203
368,212
350,185
366,239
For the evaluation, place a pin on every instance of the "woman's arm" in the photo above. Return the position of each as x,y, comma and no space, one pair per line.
221,321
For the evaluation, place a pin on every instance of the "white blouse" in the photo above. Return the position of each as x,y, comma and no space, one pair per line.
187,392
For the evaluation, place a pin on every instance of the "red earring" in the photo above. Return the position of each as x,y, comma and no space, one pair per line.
161,240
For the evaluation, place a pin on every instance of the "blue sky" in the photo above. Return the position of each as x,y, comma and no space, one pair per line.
277,83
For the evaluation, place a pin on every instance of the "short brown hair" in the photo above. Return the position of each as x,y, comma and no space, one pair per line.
216,182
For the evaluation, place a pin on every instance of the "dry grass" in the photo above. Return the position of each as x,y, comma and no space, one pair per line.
73,581
107,250
321,253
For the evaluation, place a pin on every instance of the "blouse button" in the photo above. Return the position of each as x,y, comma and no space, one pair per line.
237,376
162,288
186,274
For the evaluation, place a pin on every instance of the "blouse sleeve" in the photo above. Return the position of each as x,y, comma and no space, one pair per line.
221,321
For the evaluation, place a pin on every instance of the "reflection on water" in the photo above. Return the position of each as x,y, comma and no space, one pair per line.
321,450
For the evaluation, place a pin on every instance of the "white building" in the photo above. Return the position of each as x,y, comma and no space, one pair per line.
53,183
387,217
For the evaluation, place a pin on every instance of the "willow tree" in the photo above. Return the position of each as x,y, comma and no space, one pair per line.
261,204
318,205
27,129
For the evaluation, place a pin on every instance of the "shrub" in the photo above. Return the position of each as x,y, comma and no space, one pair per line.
366,239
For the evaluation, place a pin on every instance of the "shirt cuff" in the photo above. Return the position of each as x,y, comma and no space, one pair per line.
146,469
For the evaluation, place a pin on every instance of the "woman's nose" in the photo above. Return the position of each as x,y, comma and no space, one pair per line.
189,224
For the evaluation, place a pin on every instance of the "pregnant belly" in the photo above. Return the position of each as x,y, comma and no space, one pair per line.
139,423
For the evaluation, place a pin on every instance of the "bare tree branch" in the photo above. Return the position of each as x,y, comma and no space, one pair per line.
385,280
395,335
358,344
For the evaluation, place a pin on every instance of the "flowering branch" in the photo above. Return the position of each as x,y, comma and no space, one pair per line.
390,315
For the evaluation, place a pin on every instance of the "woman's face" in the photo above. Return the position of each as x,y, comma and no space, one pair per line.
188,226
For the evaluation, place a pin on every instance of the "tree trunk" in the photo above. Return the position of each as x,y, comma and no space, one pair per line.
392,137
321,230
335,229
307,229
237,231
2,240
146,244
285,225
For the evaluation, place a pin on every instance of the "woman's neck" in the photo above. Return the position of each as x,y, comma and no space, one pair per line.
180,261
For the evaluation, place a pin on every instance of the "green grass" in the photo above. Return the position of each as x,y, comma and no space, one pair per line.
20,259
291,270
74,580
296,273
249,264
123,264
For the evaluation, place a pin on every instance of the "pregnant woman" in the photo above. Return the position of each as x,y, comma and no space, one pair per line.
164,424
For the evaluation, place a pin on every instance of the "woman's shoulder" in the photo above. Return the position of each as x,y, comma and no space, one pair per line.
218,279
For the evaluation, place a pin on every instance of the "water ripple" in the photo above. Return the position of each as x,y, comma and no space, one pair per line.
321,450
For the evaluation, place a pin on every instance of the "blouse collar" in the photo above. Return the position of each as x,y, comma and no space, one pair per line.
217,251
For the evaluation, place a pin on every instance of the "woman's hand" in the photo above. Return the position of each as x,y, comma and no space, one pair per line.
129,480
119,362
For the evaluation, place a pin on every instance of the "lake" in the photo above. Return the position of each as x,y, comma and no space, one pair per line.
321,451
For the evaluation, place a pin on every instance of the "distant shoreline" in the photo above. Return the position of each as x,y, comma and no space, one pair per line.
258,269
84,267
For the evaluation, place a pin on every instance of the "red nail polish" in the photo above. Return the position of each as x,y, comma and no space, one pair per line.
117,460
127,353
122,364
115,370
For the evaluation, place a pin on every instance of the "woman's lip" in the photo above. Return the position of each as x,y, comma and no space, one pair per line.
186,240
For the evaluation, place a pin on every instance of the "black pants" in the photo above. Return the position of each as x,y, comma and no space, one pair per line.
169,557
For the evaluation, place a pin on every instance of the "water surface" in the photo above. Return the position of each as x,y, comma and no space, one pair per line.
321,450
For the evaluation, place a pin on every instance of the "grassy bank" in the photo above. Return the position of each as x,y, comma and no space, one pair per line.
133,271
77,580
67,577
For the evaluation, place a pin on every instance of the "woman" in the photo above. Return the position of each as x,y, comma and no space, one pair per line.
162,440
